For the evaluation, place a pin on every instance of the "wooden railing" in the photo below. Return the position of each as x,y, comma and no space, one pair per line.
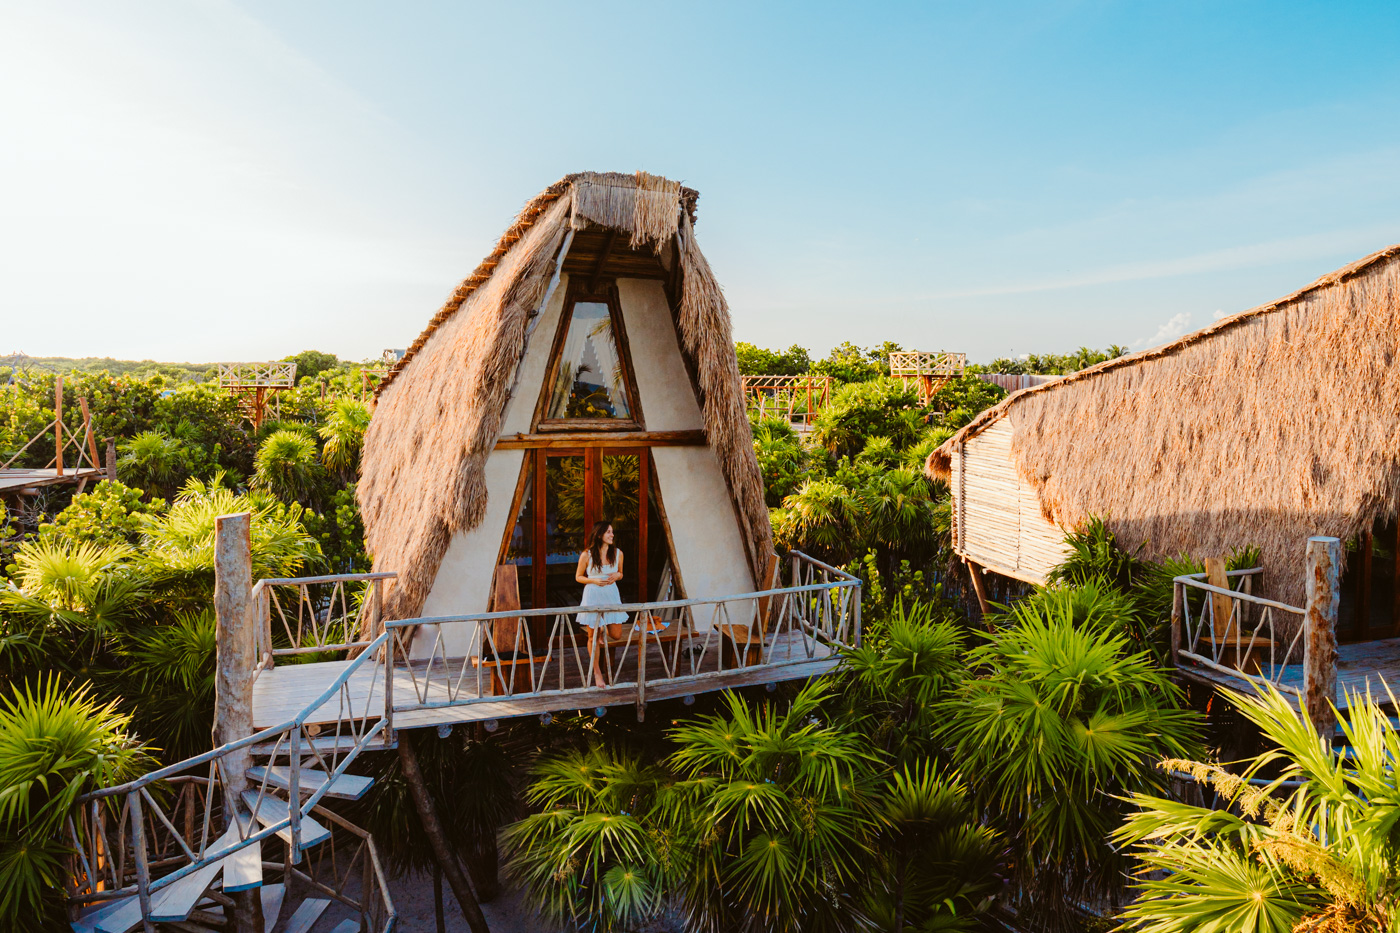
1237,637
704,644
310,615
1231,631
170,821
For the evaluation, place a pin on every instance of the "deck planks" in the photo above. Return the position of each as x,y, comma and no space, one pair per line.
1361,666
283,692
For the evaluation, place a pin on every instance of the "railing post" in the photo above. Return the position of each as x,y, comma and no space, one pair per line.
856,591
233,682
1324,588
294,788
143,867
1174,646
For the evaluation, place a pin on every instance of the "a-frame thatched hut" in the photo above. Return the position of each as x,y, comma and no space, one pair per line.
1265,428
584,371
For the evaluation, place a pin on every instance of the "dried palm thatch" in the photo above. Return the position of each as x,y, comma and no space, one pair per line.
439,413
1269,426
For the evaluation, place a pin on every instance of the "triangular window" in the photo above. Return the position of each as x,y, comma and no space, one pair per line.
590,381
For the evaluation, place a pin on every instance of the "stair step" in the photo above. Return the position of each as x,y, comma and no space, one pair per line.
306,915
326,744
87,922
345,787
272,895
274,810
347,926
243,869
170,903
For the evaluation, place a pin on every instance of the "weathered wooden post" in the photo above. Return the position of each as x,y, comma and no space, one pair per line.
1324,588
58,424
233,684
112,459
1174,647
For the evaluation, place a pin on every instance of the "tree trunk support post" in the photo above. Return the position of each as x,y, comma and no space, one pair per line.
437,838
58,425
233,685
980,588
1324,588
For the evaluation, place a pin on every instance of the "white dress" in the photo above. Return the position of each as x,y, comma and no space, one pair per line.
606,595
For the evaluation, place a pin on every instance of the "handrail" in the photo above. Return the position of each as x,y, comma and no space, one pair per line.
623,607
1192,580
296,721
327,578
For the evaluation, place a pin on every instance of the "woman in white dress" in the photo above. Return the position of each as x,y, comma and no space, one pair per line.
599,569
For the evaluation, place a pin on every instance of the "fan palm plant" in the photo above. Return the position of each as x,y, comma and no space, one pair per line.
1059,719
56,742
171,667
343,435
286,465
818,515
591,856
1314,848
153,461
935,866
773,808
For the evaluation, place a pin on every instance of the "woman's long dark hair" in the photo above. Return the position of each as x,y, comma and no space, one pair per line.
595,544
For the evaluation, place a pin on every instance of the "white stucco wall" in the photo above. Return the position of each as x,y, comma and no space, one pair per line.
709,550
668,401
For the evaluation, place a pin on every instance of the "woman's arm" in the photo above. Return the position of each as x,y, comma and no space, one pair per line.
581,572
618,575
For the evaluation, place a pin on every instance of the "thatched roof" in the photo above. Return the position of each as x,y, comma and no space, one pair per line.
1266,427
439,413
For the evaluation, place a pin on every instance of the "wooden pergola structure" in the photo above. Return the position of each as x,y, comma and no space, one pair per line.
784,397
930,370
254,384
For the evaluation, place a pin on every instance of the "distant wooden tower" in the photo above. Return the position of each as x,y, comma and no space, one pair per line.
255,384
929,370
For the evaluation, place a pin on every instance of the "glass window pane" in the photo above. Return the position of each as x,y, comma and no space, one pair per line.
589,383
620,485
521,549
564,531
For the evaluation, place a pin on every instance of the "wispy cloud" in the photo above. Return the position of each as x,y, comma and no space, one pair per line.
1175,326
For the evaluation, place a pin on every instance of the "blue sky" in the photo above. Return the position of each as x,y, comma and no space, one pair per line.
241,180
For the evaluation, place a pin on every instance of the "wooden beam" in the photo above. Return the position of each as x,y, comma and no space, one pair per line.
87,432
58,424
602,439
1324,588
602,260
437,838
978,587
1220,605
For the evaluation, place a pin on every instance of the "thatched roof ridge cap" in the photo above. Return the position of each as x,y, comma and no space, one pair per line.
523,221
939,462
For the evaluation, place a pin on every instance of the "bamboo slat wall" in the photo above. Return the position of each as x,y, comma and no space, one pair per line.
998,520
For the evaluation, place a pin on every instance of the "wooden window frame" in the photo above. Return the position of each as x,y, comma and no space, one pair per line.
533,471
602,292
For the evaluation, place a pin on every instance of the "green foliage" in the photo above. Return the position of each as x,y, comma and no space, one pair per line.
591,855
1059,722
110,514
286,465
312,363
1318,857
180,543
1054,364
344,435
961,399
153,460
772,807
757,361
877,407
172,667
849,363
56,742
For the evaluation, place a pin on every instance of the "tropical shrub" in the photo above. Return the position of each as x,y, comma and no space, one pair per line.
344,435
110,514
591,856
56,742
153,460
1315,856
286,465
1058,724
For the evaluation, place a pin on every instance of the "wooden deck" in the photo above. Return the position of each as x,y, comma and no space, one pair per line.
284,691
1360,666
17,480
